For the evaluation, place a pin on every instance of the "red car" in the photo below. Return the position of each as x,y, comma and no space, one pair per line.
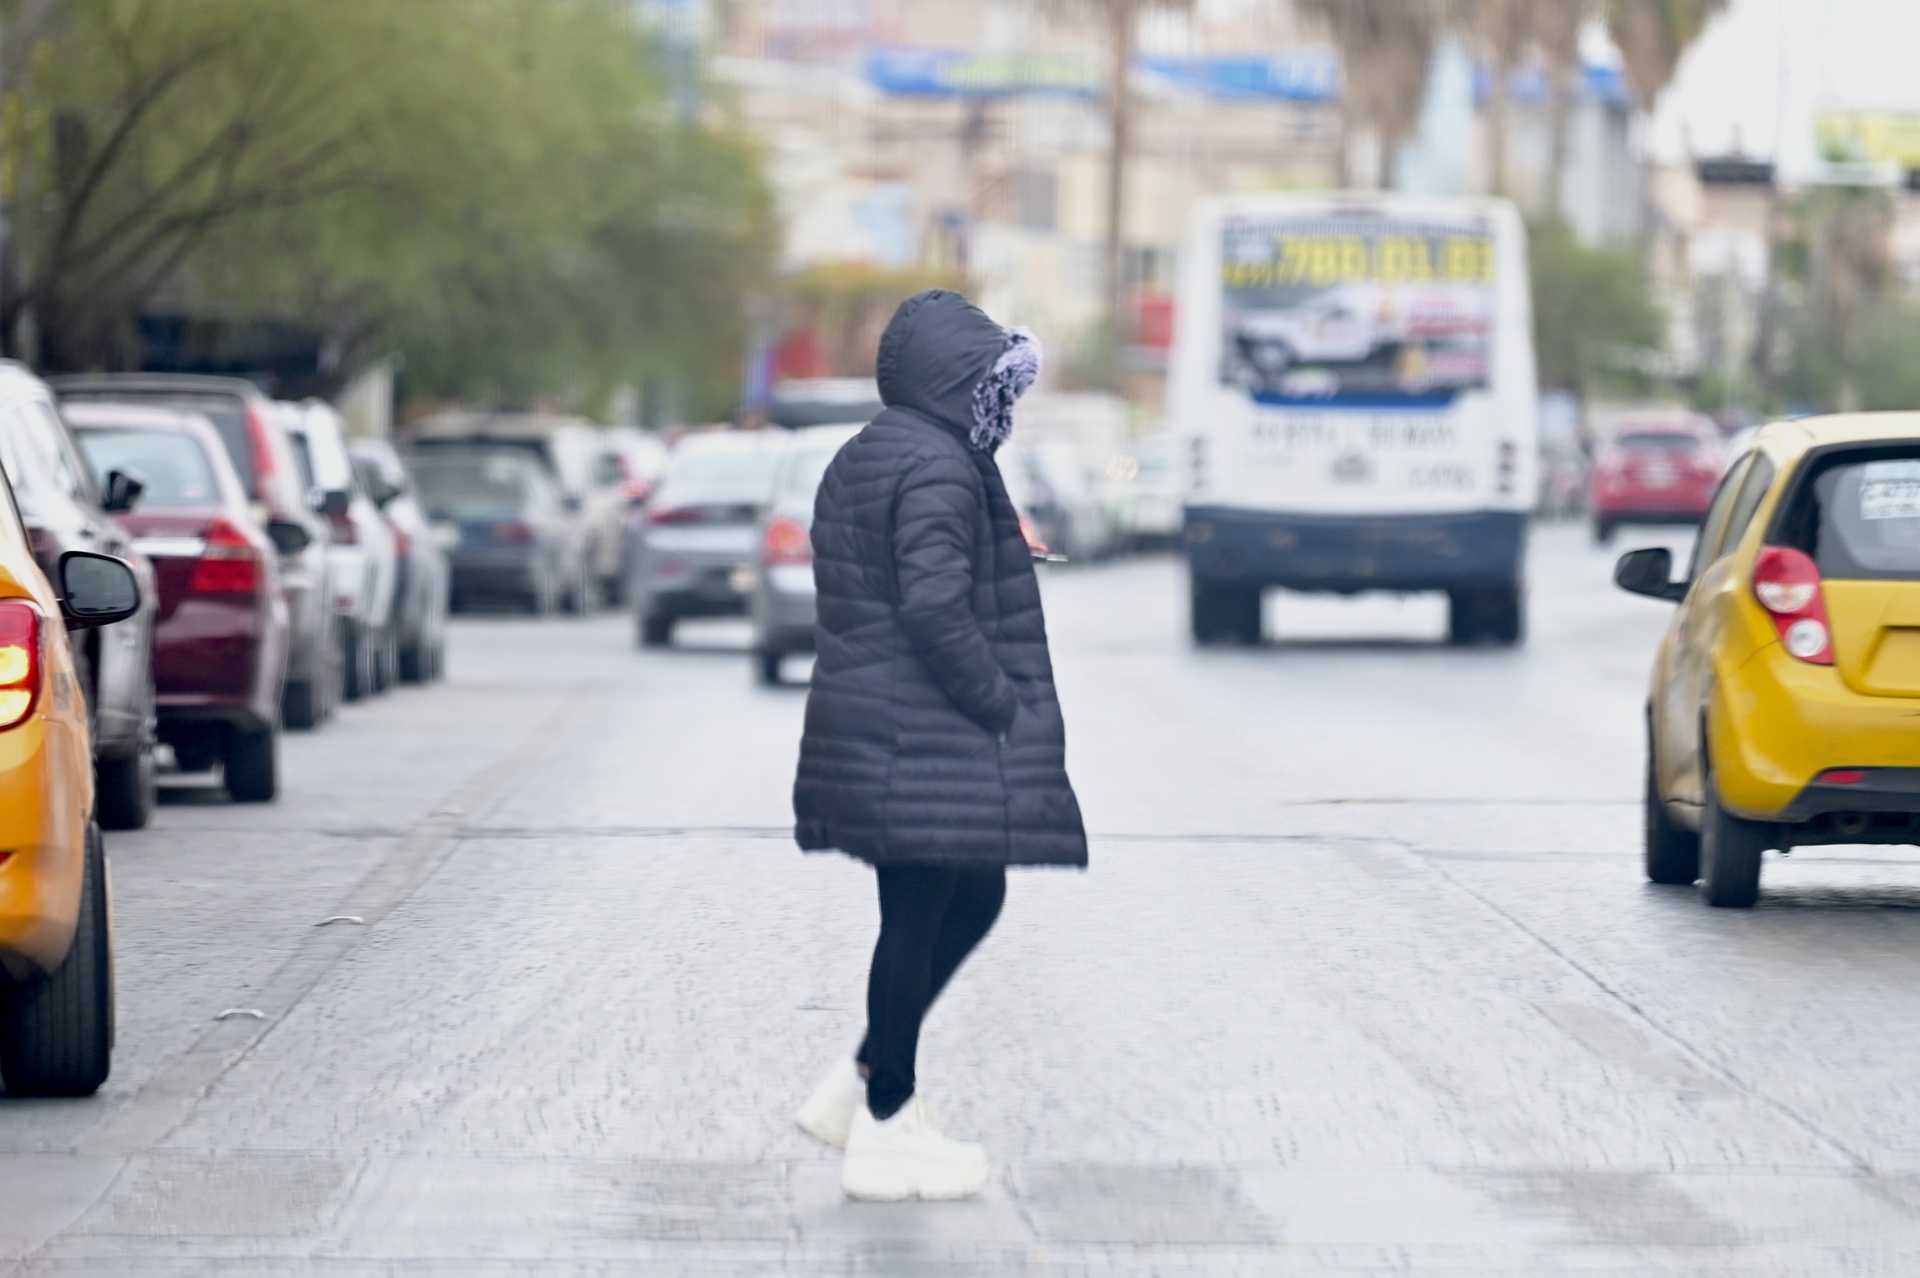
1655,470
220,639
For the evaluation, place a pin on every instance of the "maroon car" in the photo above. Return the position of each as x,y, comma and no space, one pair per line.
220,640
1658,468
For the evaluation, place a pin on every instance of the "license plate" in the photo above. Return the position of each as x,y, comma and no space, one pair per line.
1659,477
446,536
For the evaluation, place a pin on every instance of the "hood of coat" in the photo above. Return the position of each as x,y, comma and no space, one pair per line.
936,349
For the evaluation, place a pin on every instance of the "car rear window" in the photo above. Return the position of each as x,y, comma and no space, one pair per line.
460,487
722,475
1646,441
227,413
1858,514
173,468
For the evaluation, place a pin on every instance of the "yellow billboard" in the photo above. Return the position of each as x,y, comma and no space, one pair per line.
1870,135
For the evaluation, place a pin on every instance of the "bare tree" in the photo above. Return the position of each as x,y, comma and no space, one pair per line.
1385,48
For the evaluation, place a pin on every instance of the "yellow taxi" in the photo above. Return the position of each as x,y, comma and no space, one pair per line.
1784,709
56,935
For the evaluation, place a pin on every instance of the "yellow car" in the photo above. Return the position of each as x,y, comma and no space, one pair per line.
56,955
1784,709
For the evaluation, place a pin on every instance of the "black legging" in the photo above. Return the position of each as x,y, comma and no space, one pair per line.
931,917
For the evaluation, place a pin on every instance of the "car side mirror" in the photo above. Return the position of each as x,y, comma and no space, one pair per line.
334,502
288,537
384,493
1649,572
96,590
123,490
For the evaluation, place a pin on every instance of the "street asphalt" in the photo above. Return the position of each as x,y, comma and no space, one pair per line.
1364,979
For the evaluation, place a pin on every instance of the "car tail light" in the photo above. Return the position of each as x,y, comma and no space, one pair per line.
1034,545
402,543
262,442
1787,584
1841,776
229,565
676,515
19,661
787,542
511,534
636,490
344,532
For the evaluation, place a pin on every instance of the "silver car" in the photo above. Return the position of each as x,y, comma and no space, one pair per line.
694,552
782,598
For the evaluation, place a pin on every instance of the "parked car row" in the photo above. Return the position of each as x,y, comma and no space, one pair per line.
726,531
184,563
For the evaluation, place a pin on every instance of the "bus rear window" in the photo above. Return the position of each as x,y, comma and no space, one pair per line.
1858,514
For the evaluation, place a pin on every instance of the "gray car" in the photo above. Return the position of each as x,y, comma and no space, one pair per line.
694,552
500,520
781,600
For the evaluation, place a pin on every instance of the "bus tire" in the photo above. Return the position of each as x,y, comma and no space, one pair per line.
1498,614
1226,615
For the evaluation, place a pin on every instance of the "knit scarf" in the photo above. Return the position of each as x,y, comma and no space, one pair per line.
1017,369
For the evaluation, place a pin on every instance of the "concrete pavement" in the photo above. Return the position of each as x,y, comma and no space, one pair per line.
1364,979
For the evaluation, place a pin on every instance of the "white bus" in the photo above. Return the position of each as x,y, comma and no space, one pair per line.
1353,384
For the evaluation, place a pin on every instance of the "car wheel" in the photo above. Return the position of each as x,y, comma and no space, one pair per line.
252,762
299,706
1730,849
766,664
357,645
123,790
656,630
1226,615
56,1032
1672,853
414,661
385,659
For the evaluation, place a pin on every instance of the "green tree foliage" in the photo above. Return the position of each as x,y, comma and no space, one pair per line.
500,189
1595,316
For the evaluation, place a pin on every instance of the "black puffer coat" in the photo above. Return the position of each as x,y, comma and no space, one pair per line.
933,733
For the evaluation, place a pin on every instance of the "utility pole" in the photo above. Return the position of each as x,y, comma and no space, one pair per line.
1120,17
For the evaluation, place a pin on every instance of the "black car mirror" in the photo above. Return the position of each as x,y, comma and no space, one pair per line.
123,490
288,537
334,502
96,590
1649,572
384,493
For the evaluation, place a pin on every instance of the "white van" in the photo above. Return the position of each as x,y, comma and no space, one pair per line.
1353,387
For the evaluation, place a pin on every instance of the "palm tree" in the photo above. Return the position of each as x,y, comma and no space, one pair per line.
1653,35
1120,21
1385,47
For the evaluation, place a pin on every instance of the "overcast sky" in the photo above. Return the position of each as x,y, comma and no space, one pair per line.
1840,53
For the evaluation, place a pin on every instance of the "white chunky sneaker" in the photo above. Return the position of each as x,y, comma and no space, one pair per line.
904,1157
828,1113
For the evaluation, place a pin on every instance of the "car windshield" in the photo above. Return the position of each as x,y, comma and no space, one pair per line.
457,487
721,474
1661,441
172,467
1864,516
